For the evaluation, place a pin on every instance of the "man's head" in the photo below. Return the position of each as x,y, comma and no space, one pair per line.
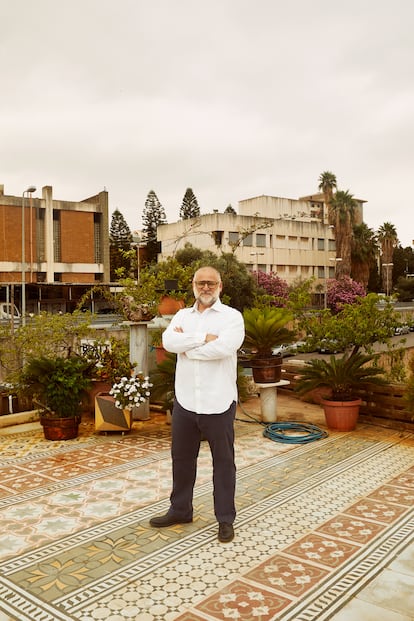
207,286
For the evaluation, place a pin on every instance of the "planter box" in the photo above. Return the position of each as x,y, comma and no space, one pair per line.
110,418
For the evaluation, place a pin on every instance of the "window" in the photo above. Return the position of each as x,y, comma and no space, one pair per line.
248,241
40,234
321,244
233,237
57,246
260,240
97,237
218,237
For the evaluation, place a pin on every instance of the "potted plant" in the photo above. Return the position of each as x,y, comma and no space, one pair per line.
162,379
264,329
114,409
57,385
342,376
109,361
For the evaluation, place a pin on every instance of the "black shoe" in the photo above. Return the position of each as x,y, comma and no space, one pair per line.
225,532
168,520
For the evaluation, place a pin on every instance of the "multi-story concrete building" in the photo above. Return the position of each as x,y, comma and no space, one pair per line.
286,236
66,248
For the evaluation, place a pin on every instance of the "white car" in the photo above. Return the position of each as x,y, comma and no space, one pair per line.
399,330
288,349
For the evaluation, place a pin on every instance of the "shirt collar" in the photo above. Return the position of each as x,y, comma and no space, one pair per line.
217,306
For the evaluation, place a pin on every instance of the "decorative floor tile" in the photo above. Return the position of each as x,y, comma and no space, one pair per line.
322,550
391,493
352,529
288,575
241,600
378,511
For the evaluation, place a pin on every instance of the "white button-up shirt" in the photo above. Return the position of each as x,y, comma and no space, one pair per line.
206,373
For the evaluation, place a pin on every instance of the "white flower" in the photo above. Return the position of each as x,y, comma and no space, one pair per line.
131,391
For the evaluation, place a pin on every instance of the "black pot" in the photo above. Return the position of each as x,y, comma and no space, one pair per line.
267,370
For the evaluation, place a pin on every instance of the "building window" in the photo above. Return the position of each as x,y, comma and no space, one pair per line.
97,237
321,272
57,238
260,240
321,244
261,267
218,237
233,237
40,235
248,241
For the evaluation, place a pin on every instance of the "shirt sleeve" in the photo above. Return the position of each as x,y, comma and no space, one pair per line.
181,342
228,341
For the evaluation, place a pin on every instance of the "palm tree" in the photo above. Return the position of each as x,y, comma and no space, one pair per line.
388,239
327,183
342,216
363,253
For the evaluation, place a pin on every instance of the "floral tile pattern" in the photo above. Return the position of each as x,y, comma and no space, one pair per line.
313,521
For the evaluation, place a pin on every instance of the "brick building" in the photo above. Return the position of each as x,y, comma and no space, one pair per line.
66,248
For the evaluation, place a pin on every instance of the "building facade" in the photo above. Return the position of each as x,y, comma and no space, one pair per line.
289,237
66,246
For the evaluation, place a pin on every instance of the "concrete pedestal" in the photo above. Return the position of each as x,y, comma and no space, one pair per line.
138,355
268,400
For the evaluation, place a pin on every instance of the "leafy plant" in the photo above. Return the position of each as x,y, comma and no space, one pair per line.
342,375
265,328
108,358
57,384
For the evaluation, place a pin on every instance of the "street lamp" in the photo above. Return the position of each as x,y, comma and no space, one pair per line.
336,259
29,190
387,266
257,255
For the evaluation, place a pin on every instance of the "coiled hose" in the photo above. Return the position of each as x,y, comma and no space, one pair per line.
291,432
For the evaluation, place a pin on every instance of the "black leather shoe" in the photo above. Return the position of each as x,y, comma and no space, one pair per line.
168,520
225,532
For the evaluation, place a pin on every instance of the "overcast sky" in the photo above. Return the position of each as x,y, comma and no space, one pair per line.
233,98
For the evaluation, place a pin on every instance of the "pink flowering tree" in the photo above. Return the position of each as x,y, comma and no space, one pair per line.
274,286
343,291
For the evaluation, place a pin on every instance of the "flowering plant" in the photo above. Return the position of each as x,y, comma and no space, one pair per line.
130,392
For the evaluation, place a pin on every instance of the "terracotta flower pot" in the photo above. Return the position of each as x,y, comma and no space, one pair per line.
341,415
169,305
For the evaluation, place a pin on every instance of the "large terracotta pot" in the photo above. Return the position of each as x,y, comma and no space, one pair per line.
341,415
169,305
267,370
60,428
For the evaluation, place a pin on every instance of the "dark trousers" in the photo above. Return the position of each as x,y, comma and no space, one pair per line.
218,430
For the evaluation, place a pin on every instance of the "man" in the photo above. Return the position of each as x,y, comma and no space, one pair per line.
205,338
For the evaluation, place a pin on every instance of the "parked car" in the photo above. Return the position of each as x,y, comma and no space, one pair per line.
329,347
403,329
7,311
288,349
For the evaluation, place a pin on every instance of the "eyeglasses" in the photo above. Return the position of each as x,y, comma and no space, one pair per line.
211,284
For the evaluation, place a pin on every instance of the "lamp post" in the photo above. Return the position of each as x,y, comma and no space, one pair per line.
387,266
30,191
257,255
336,259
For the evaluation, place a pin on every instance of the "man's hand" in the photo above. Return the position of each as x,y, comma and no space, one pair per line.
210,337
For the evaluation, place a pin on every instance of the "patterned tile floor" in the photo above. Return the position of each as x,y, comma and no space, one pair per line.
324,530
